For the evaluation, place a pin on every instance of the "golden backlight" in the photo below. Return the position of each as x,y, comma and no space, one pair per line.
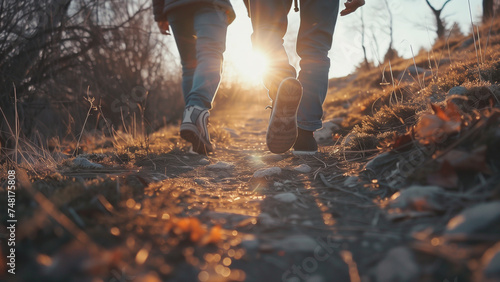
246,68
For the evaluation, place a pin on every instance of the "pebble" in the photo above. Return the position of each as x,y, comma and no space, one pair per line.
303,168
481,218
457,90
382,161
286,197
201,181
204,161
297,243
398,265
84,163
278,184
265,219
326,132
265,172
221,165
251,244
307,223
421,198
491,264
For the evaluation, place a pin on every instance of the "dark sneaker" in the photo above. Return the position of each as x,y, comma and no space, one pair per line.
282,130
305,144
194,129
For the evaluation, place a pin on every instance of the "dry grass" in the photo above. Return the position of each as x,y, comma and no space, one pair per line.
391,98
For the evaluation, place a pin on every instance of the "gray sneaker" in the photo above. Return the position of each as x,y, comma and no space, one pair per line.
282,130
194,129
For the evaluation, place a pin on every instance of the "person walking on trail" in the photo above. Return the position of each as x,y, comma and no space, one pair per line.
199,28
297,102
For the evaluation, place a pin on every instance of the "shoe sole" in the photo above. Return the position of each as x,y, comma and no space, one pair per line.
190,133
282,130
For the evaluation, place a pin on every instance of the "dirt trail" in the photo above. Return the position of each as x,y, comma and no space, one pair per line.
287,226
241,214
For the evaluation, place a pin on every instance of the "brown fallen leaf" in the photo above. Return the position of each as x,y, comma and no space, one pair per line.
214,236
433,128
399,142
191,226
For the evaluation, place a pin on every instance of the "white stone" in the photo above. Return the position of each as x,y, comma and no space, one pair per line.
303,168
298,243
204,161
286,197
407,198
326,132
221,165
265,172
477,219
265,219
398,265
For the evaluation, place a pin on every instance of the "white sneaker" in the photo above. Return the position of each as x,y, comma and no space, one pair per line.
194,129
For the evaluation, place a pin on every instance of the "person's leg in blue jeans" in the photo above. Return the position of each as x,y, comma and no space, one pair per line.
269,22
317,23
200,35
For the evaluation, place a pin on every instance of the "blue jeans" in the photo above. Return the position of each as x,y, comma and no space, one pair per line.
314,40
200,35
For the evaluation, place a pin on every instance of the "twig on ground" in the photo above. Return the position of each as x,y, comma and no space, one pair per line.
329,185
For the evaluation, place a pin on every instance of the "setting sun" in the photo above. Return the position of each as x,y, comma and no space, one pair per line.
251,67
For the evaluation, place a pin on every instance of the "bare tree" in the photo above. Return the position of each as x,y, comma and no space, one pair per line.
52,51
440,24
391,52
363,31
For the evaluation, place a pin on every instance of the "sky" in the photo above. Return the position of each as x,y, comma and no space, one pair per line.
413,26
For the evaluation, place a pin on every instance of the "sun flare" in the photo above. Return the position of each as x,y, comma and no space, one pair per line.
242,63
252,67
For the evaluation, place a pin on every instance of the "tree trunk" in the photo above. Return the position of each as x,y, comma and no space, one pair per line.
488,10
440,27
366,64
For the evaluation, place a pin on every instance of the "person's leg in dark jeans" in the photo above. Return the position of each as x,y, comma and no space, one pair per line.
269,22
317,24
200,35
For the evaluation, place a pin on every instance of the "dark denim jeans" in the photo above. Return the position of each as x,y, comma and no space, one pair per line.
317,23
200,35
